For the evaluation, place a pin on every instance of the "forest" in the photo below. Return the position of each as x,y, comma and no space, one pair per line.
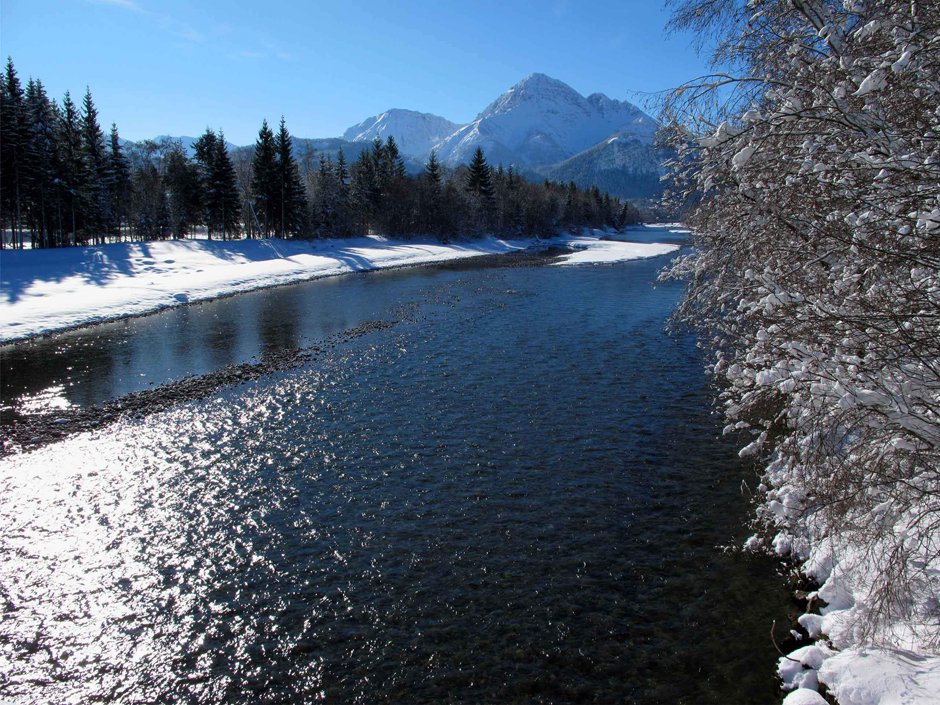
67,183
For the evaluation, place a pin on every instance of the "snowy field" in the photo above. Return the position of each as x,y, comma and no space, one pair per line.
49,290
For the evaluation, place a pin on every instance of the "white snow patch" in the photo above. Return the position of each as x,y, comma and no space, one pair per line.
593,250
882,677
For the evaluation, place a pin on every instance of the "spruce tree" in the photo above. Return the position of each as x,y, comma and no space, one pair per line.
12,152
95,197
119,181
42,163
265,180
73,174
479,185
204,149
292,201
226,189
479,177
181,179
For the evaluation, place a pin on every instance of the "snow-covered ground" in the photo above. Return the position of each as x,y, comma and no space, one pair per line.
858,660
48,290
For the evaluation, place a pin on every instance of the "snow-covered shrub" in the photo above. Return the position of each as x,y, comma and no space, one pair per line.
815,278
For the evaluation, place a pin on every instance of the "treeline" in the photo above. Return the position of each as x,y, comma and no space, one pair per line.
64,182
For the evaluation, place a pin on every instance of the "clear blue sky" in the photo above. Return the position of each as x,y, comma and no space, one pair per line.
175,67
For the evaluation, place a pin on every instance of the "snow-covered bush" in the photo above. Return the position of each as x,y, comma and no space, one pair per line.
814,164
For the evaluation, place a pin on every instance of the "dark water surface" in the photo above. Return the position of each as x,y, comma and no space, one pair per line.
514,495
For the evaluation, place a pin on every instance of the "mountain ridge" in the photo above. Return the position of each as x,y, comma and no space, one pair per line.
540,125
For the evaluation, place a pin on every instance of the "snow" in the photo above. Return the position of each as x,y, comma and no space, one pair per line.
804,696
415,133
882,677
541,120
904,669
49,290
590,250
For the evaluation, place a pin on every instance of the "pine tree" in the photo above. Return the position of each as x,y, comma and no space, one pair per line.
479,177
42,163
265,180
119,182
479,185
181,178
96,200
73,174
226,189
292,201
12,152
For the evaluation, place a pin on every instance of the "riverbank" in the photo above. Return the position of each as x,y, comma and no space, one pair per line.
856,654
52,290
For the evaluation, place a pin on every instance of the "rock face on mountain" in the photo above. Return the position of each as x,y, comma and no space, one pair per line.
541,121
416,133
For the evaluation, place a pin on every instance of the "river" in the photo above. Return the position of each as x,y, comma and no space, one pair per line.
515,494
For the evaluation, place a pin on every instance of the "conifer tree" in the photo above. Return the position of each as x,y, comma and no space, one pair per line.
183,189
265,180
226,189
479,177
12,151
430,219
96,201
479,185
119,181
291,201
73,169
42,164
218,184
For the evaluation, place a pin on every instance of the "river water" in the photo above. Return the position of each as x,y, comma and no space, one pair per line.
515,494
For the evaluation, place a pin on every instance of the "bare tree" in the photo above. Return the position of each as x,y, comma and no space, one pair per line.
813,161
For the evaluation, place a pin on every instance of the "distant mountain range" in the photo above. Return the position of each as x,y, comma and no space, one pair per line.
541,126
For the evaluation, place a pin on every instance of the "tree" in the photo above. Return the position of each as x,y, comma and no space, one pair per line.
480,187
181,179
95,198
265,181
218,184
291,199
12,151
119,181
813,178
43,165
73,174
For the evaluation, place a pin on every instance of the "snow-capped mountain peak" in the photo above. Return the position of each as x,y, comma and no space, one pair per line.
542,120
416,133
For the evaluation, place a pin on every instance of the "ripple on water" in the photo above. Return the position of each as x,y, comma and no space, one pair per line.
517,498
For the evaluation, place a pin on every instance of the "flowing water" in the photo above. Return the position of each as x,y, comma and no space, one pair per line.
516,494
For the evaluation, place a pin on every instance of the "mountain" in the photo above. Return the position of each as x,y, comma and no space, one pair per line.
415,133
542,121
622,164
188,142
541,126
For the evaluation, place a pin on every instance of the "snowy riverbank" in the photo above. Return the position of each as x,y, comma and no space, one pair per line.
858,658
49,290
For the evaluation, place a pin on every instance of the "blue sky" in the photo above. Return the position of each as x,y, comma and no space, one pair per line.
173,67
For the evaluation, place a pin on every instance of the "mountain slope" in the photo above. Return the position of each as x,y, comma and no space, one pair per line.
621,165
